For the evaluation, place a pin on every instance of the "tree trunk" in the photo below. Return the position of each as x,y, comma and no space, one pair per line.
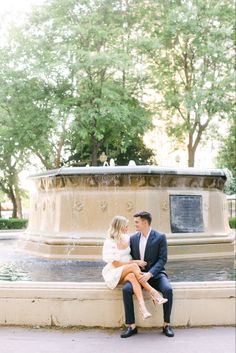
191,152
57,160
193,143
94,151
18,203
12,197
191,156
16,189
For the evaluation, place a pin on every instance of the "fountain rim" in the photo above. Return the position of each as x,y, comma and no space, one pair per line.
142,169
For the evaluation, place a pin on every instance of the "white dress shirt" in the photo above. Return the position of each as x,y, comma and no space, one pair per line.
142,244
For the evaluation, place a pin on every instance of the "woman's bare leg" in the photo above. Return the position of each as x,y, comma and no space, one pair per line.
134,268
130,277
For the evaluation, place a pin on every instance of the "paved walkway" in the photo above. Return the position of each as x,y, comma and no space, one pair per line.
193,340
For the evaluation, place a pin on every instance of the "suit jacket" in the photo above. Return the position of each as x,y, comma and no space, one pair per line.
155,252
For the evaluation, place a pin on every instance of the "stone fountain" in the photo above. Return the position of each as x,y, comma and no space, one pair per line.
71,208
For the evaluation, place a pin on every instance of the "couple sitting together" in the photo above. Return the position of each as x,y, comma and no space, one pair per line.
138,262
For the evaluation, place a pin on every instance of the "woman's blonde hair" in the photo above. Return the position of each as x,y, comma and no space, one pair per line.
117,226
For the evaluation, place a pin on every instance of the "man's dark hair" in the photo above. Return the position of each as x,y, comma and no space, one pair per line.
144,215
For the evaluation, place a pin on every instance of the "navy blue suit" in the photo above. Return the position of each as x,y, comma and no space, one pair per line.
156,256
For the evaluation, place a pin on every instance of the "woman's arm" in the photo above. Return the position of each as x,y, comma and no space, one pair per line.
110,254
140,263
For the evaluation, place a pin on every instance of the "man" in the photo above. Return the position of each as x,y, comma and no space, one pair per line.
150,246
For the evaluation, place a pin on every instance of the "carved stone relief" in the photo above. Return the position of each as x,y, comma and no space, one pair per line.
126,180
164,206
129,206
103,206
78,206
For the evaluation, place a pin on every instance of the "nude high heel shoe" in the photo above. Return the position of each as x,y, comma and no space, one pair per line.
144,312
156,298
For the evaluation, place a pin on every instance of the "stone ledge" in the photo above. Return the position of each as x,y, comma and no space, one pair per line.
91,249
65,304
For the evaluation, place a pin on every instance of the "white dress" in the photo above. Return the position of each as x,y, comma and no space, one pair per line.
110,253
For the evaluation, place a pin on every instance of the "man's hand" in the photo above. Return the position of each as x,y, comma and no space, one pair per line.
145,277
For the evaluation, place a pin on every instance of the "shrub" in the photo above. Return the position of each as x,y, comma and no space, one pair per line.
232,222
13,223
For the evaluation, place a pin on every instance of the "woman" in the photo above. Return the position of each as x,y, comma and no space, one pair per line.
120,267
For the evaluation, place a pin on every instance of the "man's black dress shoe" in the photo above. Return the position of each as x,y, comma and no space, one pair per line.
129,331
167,330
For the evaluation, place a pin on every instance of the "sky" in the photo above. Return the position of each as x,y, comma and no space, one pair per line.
13,11
17,5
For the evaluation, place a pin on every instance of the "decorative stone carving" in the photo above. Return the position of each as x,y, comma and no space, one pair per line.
117,181
92,181
164,206
70,181
154,181
129,206
130,180
78,206
103,206
165,180
141,181
220,183
194,183
173,182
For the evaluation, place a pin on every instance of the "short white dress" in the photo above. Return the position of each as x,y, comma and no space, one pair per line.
110,253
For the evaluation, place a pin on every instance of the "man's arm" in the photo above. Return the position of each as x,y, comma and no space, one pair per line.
159,264
162,258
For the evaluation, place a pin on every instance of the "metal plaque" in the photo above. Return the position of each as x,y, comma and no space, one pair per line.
186,214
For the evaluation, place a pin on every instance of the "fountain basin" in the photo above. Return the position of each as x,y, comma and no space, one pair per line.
71,208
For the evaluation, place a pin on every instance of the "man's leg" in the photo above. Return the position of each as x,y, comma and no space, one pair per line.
163,285
128,303
129,311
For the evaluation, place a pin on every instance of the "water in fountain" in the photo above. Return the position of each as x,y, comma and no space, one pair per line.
17,266
12,272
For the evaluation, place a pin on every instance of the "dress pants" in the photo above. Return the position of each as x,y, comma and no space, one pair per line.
162,284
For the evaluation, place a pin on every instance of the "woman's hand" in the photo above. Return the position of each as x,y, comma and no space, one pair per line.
140,263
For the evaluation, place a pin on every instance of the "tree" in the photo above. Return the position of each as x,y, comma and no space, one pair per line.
190,49
83,52
227,154
69,86
11,163
20,126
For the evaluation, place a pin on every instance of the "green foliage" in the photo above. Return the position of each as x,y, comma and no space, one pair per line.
190,49
82,92
227,152
232,222
13,223
73,77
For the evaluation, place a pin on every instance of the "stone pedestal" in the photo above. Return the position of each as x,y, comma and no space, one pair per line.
71,208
